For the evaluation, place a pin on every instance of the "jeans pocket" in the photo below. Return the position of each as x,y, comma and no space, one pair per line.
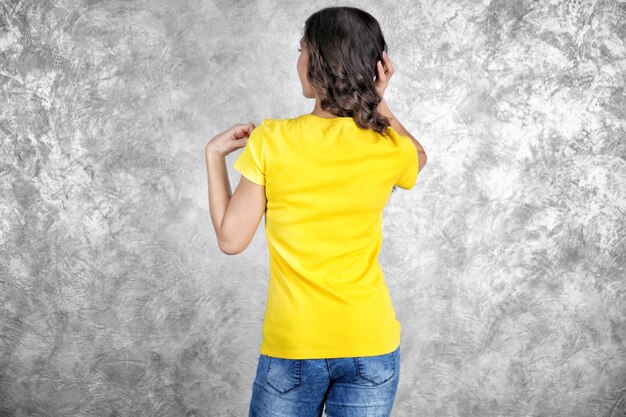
283,374
376,370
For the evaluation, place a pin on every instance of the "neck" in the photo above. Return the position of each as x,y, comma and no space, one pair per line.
318,111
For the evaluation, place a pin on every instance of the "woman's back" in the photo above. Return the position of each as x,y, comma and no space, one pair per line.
327,182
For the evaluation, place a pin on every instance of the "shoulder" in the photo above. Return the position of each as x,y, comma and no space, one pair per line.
261,130
268,124
401,141
277,126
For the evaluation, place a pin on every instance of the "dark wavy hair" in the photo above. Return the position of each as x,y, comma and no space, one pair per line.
344,44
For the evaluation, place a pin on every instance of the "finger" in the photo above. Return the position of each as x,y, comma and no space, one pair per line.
249,128
239,132
387,62
242,131
381,71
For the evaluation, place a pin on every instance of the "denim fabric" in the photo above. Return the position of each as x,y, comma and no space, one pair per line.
363,386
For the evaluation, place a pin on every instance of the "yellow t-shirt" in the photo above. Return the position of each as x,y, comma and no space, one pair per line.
327,182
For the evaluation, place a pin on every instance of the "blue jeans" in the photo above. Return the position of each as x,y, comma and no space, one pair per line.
363,386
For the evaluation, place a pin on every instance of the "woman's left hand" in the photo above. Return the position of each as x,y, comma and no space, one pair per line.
230,140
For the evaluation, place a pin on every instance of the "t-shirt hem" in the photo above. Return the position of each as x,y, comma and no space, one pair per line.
328,353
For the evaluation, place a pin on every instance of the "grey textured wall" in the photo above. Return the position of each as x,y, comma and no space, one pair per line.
506,263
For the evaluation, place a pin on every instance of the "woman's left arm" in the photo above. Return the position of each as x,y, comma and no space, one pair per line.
236,216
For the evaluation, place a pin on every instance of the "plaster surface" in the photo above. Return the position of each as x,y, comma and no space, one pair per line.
506,262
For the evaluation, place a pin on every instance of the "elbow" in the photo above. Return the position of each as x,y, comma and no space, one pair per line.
228,248
421,156
229,251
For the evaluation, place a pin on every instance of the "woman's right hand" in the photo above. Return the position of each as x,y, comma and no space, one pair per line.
384,71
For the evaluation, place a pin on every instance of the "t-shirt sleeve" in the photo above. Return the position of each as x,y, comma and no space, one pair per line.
251,161
410,164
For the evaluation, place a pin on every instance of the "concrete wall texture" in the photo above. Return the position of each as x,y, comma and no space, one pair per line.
506,262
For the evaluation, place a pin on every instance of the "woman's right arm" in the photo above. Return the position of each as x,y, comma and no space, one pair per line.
383,109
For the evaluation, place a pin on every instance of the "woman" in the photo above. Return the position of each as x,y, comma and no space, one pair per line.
322,179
